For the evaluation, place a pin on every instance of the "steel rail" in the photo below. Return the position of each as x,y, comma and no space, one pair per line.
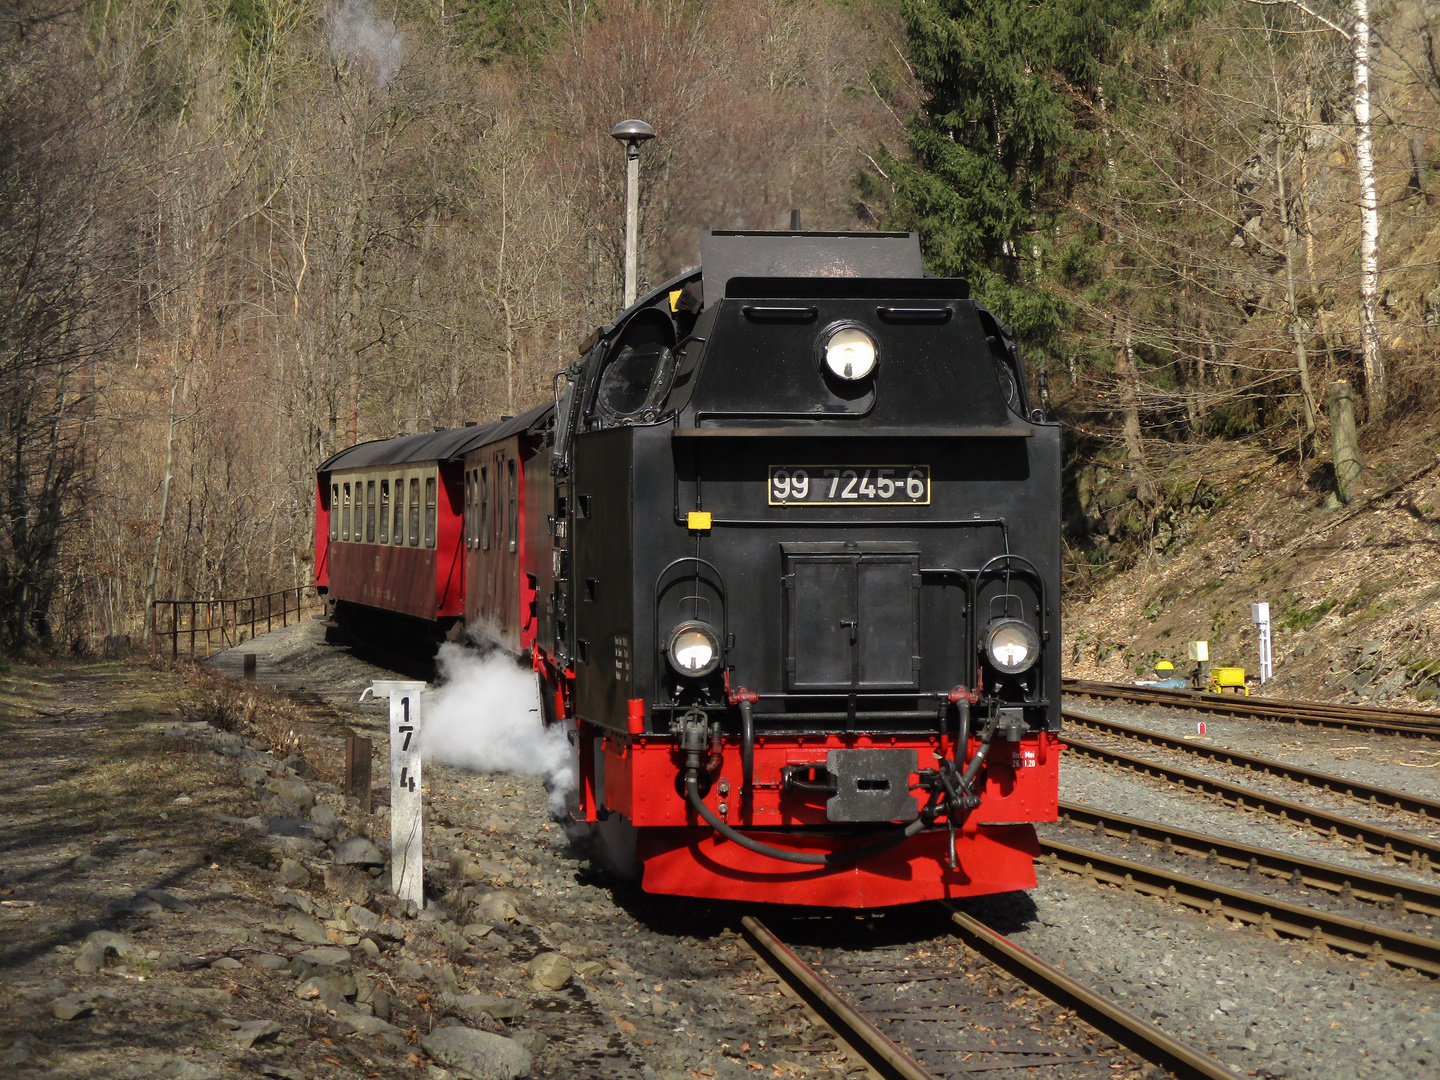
863,1037
1298,871
1127,1029
1293,920
1355,789
1412,723
1390,843
1204,698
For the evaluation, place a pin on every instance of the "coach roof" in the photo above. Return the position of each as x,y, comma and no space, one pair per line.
450,444
407,449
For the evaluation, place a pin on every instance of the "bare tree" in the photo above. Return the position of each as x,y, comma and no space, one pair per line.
62,200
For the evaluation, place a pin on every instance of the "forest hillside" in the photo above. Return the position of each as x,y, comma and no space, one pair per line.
238,236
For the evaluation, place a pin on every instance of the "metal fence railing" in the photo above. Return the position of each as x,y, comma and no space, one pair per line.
202,621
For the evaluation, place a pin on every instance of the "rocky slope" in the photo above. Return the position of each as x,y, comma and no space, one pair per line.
1352,590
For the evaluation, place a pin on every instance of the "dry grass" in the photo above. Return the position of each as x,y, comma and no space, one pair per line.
256,712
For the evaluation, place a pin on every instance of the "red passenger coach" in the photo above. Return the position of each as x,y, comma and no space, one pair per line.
505,531
388,529
403,524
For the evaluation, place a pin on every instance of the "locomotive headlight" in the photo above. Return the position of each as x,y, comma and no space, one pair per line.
1012,645
850,354
694,649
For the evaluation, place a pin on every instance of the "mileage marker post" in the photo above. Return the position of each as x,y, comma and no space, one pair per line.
407,839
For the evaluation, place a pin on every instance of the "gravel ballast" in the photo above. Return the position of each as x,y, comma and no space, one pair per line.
675,994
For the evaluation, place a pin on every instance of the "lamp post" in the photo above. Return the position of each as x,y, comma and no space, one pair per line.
632,133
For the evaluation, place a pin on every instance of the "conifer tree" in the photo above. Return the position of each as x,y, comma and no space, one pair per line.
1003,138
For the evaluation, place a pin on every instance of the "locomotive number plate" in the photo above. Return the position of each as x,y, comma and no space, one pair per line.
849,485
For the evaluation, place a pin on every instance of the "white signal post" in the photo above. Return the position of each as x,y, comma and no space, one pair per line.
1260,616
407,838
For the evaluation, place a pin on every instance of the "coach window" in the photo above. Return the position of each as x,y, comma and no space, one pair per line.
514,507
475,496
474,508
385,510
397,531
430,511
414,511
485,508
345,516
334,511
370,511
498,519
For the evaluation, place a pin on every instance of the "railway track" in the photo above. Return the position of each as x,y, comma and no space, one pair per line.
1391,844
909,1021
1370,940
934,1032
1343,882
1415,723
1355,789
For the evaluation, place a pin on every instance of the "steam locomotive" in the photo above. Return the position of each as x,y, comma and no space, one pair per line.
784,555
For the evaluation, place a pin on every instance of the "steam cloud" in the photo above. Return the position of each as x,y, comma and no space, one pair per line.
354,31
485,716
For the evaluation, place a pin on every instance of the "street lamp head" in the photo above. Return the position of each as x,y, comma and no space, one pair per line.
632,133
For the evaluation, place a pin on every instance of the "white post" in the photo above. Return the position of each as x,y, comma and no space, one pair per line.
632,222
1260,616
407,838
632,133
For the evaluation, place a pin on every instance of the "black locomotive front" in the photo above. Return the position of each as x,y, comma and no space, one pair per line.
806,578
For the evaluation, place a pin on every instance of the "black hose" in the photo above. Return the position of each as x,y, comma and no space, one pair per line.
834,858
973,769
962,737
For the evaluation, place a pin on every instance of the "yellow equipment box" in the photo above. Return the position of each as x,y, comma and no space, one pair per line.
1228,680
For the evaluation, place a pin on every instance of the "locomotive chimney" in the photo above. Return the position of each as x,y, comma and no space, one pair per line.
632,133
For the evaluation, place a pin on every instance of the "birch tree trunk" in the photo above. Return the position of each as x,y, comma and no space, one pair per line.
1374,364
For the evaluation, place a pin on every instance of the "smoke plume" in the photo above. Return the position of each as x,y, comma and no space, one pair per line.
485,716
355,32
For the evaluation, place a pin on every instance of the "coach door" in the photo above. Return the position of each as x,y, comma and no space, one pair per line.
493,486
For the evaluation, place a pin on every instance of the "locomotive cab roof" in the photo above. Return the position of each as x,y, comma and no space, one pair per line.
742,340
